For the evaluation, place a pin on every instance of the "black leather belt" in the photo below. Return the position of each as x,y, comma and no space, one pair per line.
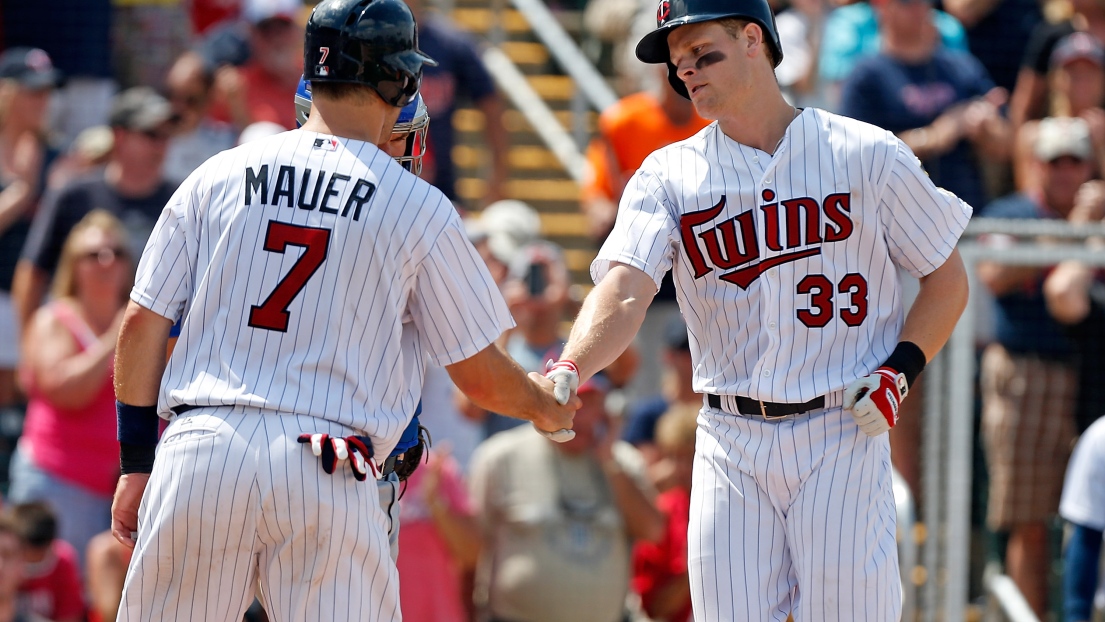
767,410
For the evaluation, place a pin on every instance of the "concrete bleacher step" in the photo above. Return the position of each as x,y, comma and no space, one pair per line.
536,176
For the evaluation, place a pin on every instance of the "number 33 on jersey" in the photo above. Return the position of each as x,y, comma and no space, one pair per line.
806,242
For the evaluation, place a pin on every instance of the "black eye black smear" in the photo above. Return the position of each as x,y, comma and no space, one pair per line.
709,58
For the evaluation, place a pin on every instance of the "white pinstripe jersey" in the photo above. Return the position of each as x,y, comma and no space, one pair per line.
319,278
785,264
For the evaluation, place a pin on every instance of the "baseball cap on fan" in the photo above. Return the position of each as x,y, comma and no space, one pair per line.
1063,136
258,11
30,67
140,109
1077,46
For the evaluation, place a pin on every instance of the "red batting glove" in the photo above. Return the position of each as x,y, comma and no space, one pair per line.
874,400
333,449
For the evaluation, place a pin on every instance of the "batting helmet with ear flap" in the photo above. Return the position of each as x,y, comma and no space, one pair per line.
671,14
370,42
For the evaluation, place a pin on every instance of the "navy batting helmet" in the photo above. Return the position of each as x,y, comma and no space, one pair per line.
370,42
671,14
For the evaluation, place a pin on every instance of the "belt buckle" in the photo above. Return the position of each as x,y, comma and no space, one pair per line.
767,417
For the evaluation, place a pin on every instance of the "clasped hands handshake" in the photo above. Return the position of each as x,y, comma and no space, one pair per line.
563,376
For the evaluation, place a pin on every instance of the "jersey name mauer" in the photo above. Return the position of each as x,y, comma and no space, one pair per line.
786,264
315,276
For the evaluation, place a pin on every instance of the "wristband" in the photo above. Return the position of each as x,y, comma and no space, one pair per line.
137,434
908,359
136,458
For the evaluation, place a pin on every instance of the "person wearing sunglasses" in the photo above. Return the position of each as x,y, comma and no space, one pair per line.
68,454
132,186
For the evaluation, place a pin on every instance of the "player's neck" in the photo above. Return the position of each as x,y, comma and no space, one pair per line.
350,120
759,123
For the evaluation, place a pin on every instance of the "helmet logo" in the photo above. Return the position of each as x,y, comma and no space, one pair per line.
324,51
663,12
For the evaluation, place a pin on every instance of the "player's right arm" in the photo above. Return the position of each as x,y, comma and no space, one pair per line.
495,382
139,364
609,319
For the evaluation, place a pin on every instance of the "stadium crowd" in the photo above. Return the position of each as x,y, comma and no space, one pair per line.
106,106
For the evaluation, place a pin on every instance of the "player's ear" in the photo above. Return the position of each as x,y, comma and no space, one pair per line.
754,35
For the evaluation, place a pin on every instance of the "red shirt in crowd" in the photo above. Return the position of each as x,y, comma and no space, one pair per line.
656,564
52,588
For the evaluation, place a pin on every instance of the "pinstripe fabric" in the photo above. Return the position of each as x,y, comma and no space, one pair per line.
897,216
793,516
234,499
316,279
786,267
404,262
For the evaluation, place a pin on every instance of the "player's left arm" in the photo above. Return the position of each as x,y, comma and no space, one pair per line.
941,301
139,365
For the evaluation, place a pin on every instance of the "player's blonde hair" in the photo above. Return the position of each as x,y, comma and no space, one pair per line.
65,285
676,428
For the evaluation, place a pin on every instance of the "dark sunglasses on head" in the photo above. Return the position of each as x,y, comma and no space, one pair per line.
105,256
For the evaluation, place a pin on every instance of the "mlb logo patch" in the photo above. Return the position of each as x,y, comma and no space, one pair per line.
322,70
328,144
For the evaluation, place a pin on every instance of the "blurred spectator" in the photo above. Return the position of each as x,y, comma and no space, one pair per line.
51,585
997,33
1076,299
259,130
131,186
939,102
26,80
629,131
1028,380
660,568
1029,99
198,136
1083,507
459,75
207,14
856,35
11,574
89,151
1076,88
800,31
439,541
676,387
259,90
106,567
148,35
559,519
77,36
537,292
68,455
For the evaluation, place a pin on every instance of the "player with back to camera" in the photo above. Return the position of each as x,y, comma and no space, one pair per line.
784,229
317,278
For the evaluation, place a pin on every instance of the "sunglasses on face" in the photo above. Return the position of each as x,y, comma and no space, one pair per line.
105,256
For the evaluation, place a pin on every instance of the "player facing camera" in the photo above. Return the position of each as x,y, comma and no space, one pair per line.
408,138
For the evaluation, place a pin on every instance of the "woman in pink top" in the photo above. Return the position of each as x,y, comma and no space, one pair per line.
68,455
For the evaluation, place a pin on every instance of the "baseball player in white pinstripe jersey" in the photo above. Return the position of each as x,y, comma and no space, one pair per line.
318,277
785,230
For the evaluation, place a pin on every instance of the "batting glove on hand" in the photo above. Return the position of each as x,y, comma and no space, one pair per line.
332,450
565,377
874,400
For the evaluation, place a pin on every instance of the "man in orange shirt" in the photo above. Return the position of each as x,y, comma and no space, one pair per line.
628,132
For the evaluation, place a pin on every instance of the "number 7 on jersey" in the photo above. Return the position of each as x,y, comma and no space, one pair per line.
272,314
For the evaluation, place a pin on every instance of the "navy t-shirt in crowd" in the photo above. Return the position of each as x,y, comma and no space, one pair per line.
61,211
1088,337
1000,39
460,75
1022,322
897,96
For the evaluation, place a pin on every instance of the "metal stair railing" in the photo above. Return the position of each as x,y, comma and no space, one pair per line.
512,82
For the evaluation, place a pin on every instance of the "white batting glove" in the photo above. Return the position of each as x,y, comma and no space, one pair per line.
565,377
332,450
874,400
